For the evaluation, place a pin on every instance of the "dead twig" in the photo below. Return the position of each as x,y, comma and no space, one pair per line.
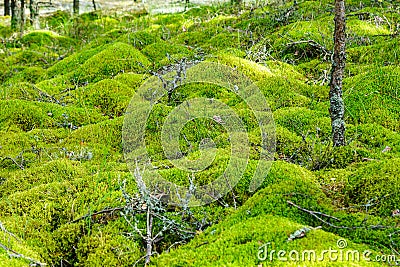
109,210
14,254
317,215
21,166
314,44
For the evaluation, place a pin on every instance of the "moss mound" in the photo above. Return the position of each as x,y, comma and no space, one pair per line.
266,217
46,38
239,245
376,181
72,62
110,97
373,97
116,58
28,115
162,49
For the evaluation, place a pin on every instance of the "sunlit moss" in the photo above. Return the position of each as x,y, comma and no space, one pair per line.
44,37
373,97
116,58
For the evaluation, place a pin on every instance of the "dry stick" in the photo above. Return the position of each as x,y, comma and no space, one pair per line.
313,44
393,243
361,14
52,98
97,213
314,214
14,161
3,228
13,254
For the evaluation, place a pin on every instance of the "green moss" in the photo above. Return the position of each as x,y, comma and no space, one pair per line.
383,53
54,171
239,245
373,98
17,246
132,80
41,57
287,142
19,90
139,39
58,19
106,22
315,70
116,58
30,74
161,49
282,93
42,143
266,217
56,86
100,250
46,38
375,137
108,96
302,120
73,61
94,77
375,181
107,133
365,28
252,70
29,115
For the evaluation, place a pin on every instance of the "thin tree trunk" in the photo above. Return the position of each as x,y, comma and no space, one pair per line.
34,14
15,14
94,5
336,109
76,7
23,17
6,7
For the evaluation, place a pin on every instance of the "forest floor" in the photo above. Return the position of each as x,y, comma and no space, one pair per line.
69,198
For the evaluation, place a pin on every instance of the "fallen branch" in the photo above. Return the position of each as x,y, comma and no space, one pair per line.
313,44
14,161
110,210
316,213
13,254
3,228
51,98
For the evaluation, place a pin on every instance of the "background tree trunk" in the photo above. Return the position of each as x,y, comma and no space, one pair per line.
34,14
6,7
23,16
15,14
336,109
94,5
76,7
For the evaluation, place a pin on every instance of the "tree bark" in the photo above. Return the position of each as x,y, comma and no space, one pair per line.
6,7
34,14
23,17
15,14
94,5
336,109
76,7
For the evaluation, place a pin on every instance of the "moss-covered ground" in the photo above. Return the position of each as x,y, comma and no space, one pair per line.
64,92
